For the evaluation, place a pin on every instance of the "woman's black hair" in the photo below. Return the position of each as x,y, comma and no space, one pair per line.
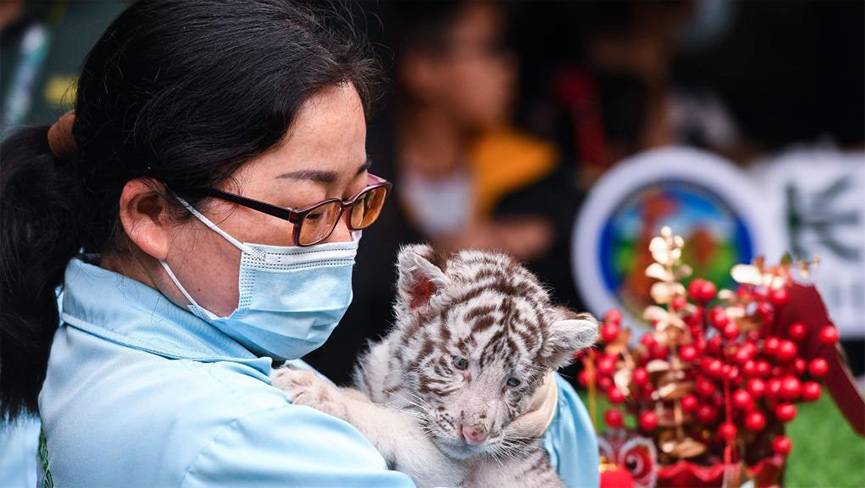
181,91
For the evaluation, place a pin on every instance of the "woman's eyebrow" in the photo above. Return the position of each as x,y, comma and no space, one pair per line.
321,176
315,175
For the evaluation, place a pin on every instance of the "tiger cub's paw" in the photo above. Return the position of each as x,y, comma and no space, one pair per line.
307,388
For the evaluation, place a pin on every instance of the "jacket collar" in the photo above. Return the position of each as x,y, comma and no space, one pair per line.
127,312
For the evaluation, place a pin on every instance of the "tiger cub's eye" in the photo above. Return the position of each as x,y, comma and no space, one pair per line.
460,362
513,382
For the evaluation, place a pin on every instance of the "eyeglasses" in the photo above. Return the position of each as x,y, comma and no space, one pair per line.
316,223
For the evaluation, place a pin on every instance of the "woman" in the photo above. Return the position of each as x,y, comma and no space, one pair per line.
200,211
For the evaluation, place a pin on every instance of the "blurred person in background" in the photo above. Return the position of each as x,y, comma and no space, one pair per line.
465,176
604,86
42,46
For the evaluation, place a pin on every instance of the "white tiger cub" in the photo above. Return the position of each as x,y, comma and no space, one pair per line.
443,395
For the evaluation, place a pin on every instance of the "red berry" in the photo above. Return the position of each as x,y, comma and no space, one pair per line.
773,387
800,366
727,431
785,412
818,367
615,395
647,340
749,368
713,367
778,296
659,351
718,317
640,377
648,421
688,353
742,399
613,418
705,387
701,290
797,331
756,387
583,378
810,391
755,421
744,353
689,403
678,303
613,316
787,350
766,312
764,368
714,345
828,335
791,388
696,317
782,445
606,365
605,382
730,330
706,413
609,331
770,345
730,372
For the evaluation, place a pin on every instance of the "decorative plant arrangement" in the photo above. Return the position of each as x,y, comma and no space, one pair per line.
711,386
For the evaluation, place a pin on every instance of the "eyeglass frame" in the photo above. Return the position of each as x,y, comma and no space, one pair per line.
297,216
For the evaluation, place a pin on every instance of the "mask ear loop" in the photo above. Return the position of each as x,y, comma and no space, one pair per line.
178,285
215,228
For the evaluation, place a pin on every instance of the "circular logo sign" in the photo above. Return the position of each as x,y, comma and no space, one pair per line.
703,198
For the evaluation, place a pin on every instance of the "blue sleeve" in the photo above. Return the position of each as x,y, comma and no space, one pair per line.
18,442
570,440
290,446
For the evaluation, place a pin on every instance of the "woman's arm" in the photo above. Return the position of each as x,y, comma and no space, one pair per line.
290,446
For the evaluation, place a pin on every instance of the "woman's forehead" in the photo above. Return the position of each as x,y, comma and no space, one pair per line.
325,143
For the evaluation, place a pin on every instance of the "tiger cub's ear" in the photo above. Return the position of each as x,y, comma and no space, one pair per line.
568,333
421,276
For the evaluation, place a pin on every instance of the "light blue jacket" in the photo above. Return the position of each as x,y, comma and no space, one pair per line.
140,392
18,443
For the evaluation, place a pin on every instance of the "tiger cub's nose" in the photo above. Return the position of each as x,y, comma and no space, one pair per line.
474,435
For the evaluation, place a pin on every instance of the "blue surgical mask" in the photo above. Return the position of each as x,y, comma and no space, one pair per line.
290,298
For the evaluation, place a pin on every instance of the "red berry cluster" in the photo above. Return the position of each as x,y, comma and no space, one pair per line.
735,379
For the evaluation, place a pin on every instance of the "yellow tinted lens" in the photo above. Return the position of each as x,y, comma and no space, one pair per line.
319,223
367,207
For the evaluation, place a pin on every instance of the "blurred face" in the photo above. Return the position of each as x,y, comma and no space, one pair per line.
323,155
472,79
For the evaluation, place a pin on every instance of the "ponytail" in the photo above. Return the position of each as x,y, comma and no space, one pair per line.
39,233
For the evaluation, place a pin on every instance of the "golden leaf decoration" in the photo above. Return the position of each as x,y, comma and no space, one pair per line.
747,274
657,366
659,272
660,250
663,292
622,380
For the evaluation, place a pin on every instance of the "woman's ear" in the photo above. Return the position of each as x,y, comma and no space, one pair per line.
568,333
145,217
421,275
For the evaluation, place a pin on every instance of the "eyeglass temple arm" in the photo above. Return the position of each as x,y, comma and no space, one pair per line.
280,212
